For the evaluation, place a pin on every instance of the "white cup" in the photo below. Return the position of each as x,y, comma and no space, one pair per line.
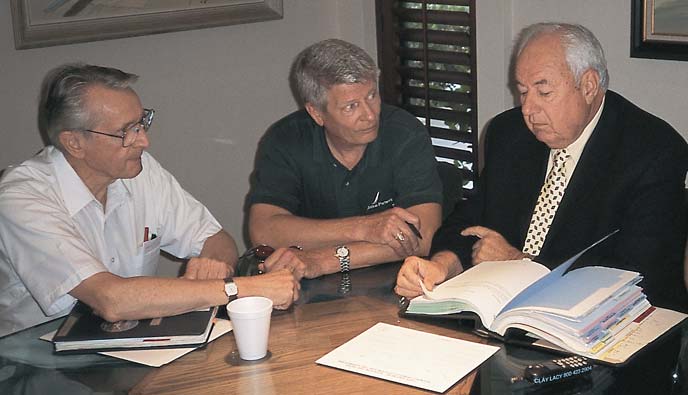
250,318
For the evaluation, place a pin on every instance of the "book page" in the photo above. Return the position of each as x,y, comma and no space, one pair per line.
489,286
555,275
579,292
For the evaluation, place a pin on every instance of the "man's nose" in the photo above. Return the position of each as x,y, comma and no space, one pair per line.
528,105
368,113
142,139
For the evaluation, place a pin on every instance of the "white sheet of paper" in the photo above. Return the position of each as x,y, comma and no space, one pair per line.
410,357
157,358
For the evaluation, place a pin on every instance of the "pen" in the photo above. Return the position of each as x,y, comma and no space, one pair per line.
414,230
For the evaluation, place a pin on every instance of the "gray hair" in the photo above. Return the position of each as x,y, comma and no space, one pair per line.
327,63
62,102
583,50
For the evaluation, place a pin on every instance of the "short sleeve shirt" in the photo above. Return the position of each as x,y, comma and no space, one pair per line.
54,233
296,170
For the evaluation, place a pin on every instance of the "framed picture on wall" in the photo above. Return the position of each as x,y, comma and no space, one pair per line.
41,23
659,29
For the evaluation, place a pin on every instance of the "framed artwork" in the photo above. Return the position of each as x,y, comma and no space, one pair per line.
659,29
40,23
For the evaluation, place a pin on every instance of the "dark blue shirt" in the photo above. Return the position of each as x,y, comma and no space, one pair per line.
295,169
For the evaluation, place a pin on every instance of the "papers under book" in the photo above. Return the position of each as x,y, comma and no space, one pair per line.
83,331
589,311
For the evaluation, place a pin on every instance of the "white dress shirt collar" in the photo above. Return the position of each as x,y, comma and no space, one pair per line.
75,193
575,149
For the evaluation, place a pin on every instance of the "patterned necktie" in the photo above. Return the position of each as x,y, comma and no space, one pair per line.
550,196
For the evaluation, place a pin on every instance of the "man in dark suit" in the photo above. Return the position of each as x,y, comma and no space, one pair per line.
624,169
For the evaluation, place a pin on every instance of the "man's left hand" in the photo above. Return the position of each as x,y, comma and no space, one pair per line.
286,258
207,269
492,246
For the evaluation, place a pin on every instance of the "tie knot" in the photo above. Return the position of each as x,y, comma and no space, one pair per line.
560,156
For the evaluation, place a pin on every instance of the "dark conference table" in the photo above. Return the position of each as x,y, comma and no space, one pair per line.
332,310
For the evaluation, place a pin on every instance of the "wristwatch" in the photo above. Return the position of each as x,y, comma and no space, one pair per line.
342,253
231,289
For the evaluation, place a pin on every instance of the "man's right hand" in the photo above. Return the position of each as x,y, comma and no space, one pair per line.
391,227
413,271
279,286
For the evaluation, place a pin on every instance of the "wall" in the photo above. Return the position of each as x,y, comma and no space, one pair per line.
493,38
215,91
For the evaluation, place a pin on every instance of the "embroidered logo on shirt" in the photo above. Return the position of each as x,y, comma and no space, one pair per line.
377,203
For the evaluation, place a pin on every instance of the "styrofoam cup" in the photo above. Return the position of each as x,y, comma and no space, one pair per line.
250,318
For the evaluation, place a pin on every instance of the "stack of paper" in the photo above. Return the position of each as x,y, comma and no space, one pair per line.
385,351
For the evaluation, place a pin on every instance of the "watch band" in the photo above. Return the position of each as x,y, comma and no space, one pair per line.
343,254
231,289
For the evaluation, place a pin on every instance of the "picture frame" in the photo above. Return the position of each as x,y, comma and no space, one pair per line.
42,23
659,29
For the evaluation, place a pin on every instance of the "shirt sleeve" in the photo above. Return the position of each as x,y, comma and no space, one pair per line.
276,180
43,246
416,177
186,222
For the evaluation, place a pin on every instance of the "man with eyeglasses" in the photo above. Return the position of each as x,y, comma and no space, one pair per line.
86,217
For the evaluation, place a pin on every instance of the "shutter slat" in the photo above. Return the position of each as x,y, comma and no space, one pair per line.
436,75
440,114
465,3
436,94
436,36
454,135
456,18
461,155
459,58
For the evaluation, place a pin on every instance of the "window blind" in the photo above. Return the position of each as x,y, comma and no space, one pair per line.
426,53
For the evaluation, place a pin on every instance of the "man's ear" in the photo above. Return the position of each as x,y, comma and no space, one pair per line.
72,142
590,85
315,114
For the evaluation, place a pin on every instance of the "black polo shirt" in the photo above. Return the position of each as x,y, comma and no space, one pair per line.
295,169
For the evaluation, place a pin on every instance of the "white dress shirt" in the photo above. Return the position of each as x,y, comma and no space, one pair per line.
575,149
54,233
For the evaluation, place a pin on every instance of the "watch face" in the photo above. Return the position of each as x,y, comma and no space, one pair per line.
231,289
342,252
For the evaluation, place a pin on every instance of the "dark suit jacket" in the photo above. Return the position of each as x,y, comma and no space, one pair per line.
631,176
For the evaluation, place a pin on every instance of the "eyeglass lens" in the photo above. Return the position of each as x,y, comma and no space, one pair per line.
131,133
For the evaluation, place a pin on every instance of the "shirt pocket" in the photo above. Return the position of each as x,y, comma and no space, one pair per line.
149,256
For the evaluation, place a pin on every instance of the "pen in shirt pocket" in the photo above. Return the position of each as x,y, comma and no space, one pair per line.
146,233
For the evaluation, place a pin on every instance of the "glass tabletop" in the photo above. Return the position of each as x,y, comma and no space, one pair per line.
28,365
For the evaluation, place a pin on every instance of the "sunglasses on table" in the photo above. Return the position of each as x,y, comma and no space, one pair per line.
249,262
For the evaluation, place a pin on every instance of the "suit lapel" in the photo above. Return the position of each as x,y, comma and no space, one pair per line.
597,156
533,184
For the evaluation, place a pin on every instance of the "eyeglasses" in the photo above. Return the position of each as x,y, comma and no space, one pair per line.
130,133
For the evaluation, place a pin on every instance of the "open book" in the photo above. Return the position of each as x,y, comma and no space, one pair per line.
587,311
82,331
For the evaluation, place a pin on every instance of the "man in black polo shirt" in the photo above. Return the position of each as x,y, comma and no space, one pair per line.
352,181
